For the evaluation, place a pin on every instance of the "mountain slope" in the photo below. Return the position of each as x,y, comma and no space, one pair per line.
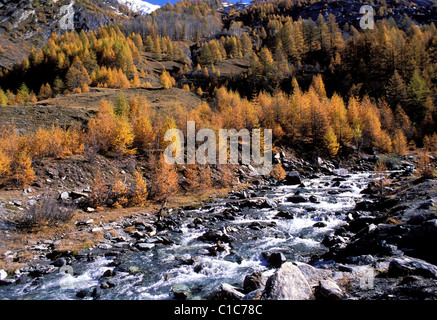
24,24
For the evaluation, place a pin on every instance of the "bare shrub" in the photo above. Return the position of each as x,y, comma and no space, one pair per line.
47,212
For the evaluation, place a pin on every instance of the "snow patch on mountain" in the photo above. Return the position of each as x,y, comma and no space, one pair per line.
140,6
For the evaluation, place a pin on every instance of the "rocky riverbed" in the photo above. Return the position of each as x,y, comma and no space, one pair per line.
319,234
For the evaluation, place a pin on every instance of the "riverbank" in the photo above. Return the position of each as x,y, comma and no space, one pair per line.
20,249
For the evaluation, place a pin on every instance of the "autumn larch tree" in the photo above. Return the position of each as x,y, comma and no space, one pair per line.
167,81
396,91
164,183
417,96
77,76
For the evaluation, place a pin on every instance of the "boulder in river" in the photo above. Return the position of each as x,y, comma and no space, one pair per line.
287,283
328,290
285,214
216,235
254,295
228,292
275,259
145,246
319,224
253,281
268,204
292,178
312,274
181,291
421,241
406,266
314,199
296,199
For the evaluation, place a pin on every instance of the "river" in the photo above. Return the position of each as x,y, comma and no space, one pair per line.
189,264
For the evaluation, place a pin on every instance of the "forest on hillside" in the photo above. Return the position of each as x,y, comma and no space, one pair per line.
318,85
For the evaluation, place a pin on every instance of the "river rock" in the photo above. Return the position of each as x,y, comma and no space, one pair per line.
253,281
85,222
408,267
381,241
268,204
104,246
360,223
320,224
275,259
78,194
109,273
145,246
186,259
122,245
60,262
216,235
363,206
228,292
421,241
64,195
181,291
330,240
328,290
287,283
214,250
296,199
254,295
285,214
314,199
6,282
38,271
312,274
95,293
3,274
31,202
418,219
292,178
82,294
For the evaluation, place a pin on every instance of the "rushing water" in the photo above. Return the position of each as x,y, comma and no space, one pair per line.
154,274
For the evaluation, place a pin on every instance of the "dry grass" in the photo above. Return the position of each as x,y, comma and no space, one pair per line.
206,195
69,236
233,66
81,107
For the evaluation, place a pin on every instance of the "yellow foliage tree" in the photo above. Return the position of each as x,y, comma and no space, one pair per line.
140,193
164,180
339,120
45,92
166,80
331,142
109,133
400,145
278,173
192,177
122,137
144,134
77,75
119,193
21,168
